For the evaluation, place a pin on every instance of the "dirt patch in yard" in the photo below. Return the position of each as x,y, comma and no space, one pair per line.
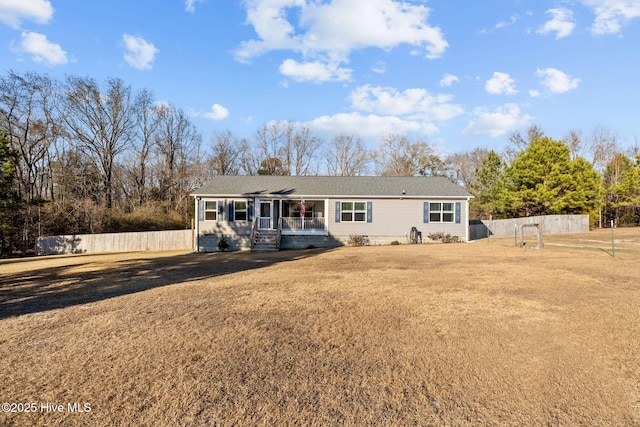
447,334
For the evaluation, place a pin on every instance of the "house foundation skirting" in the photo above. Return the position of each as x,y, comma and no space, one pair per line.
308,241
209,243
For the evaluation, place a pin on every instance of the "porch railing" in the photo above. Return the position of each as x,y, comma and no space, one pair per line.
264,223
299,224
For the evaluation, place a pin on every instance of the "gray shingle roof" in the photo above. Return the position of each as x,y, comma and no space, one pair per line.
296,186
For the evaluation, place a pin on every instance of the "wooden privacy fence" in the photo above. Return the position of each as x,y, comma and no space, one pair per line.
549,224
115,242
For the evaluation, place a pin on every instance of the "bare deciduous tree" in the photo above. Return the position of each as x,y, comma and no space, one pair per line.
249,158
347,156
634,150
146,124
603,145
226,151
286,148
75,203
270,142
178,146
462,166
574,141
28,119
303,149
518,143
397,156
100,122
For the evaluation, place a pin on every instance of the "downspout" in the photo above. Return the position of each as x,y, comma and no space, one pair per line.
467,216
197,221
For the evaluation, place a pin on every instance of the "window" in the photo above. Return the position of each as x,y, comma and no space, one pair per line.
211,211
441,212
240,210
353,212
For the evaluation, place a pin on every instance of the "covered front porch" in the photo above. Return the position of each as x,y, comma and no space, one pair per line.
292,216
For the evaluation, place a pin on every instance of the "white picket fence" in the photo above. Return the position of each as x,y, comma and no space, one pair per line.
115,242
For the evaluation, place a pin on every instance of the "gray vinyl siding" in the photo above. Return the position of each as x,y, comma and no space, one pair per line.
393,218
237,233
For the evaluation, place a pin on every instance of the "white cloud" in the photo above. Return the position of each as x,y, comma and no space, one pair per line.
329,32
502,24
217,113
380,67
315,71
556,81
415,104
448,80
512,20
13,12
162,103
612,15
369,126
498,122
500,83
139,53
190,5
42,50
353,24
381,110
562,23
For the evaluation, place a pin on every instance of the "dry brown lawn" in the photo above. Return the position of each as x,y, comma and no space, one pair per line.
452,334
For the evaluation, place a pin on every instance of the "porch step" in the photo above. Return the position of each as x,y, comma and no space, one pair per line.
264,248
265,240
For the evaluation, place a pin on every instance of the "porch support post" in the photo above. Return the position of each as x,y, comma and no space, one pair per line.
326,214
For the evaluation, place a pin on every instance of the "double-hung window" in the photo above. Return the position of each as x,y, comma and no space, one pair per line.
240,210
441,212
353,211
211,210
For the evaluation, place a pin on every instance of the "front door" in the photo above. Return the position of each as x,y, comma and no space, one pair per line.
265,218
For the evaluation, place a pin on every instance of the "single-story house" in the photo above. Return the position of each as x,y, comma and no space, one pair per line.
269,212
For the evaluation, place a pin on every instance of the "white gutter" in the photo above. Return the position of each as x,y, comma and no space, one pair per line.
310,196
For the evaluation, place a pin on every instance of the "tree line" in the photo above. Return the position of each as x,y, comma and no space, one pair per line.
80,156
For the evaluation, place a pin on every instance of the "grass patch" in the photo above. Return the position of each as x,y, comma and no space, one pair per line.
464,334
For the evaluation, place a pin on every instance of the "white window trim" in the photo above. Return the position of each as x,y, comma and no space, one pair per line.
236,210
206,210
353,211
441,212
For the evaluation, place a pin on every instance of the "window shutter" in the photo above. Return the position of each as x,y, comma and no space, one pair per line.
337,211
425,217
231,212
250,210
200,210
369,211
220,210
457,212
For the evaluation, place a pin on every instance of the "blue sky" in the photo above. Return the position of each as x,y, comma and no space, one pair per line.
458,74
